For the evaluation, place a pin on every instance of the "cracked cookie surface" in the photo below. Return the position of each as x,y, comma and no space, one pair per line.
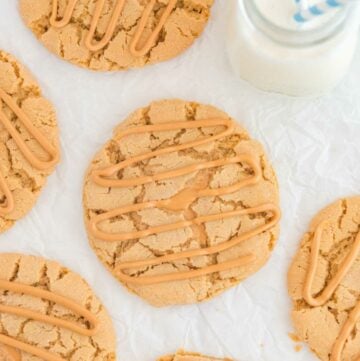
185,23
23,180
99,200
320,325
58,341
189,356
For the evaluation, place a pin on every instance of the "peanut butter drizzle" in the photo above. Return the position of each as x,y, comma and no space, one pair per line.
25,313
326,294
134,50
246,259
110,30
14,353
345,334
21,144
180,202
11,352
101,176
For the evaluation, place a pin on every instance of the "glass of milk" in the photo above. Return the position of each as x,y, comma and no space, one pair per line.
269,49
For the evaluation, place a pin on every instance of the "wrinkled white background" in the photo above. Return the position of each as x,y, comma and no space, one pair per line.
314,145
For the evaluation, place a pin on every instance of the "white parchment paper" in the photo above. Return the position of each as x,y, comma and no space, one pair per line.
314,145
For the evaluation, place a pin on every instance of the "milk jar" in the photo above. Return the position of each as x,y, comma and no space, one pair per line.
269,49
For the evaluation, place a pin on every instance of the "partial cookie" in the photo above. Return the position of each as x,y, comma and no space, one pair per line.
49,313
116,34
29,147
189,356
324,283
181,204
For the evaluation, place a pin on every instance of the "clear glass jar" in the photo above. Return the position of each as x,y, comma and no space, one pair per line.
300,61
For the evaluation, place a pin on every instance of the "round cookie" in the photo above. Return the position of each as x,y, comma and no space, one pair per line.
189,356
324,283
181,204
116,34
28,141
49,313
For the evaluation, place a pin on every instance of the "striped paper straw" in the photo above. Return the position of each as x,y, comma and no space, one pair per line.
314,11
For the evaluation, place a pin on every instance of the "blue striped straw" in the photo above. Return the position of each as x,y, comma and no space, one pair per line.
314,11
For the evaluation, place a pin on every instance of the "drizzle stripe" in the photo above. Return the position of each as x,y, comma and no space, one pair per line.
52,297
89,41
146,280
54,22
21,144
345,333
101,176
329,290
335,281
32,350
118,237
110,30
155,33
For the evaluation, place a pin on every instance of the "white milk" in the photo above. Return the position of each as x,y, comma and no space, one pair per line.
270,50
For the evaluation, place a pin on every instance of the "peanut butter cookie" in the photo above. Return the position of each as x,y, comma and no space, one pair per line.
116,34
324,283
28,141
49,313
181,204
189,356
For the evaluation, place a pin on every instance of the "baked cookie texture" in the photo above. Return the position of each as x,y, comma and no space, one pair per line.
189,356
184,24
173,200
59,342
327,315
21,180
